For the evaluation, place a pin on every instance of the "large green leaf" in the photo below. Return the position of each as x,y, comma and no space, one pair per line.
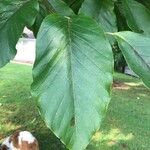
137,15
72,77
136,49
102,11
14,16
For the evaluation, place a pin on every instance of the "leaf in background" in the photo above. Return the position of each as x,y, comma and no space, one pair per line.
137,16
61,7
102,11
136,50
72,77
14,16
74,4
145,2
120,17
43,12
49,7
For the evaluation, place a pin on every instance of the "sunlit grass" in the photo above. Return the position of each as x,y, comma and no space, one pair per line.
111,138
126,126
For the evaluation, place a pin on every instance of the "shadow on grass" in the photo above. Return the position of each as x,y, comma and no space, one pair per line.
25,116
126,126
115,139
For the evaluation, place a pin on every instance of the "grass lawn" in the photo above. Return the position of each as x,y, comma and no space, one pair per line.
126,126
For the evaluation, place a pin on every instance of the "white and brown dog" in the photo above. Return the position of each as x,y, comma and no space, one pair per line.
21,140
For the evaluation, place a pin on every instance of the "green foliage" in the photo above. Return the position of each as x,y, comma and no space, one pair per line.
145,2
61,7
43,12
74,4
137,16
132,50
102,11
14,16
73,69
119,61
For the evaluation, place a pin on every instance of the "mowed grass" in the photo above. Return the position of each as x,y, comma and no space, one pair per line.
126,126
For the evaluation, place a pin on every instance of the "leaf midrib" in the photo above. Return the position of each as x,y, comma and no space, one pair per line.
71,69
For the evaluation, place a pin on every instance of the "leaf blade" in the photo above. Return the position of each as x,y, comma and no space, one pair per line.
67,69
